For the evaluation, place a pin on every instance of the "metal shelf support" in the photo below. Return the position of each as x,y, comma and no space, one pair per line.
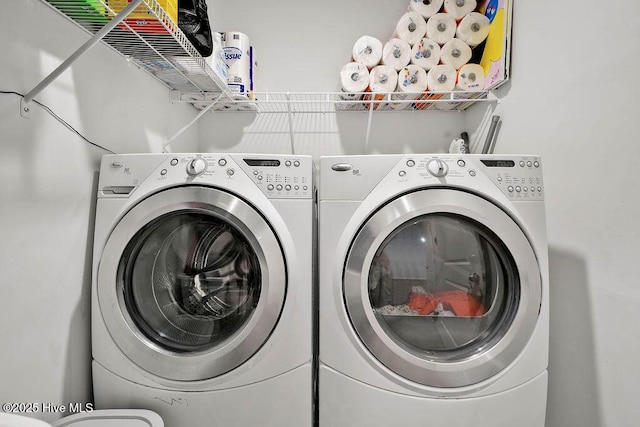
96,38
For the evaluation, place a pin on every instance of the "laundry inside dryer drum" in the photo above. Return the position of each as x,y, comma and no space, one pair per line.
189,281
444,287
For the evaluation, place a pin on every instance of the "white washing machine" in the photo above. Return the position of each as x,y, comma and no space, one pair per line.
202,288
434,297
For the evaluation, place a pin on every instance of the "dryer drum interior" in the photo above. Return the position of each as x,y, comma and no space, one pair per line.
190,280
443,286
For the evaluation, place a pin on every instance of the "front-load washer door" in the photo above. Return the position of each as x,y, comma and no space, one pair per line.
191,283
442,287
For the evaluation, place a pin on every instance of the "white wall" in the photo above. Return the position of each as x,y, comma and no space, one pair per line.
572,99
48,181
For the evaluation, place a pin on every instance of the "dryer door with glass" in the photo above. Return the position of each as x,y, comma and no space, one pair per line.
442,287
191,283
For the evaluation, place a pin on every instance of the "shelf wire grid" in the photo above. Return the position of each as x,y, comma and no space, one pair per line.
155,43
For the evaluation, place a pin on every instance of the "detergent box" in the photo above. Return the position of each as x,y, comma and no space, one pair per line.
148,17
496,52
82,10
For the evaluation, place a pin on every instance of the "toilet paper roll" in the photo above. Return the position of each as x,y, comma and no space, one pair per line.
412,81
442,78
411,27
455,53
354,78
368,51
383,79
426,54
459,8
470,78
237,57
426,8
473,29
396,53
441,28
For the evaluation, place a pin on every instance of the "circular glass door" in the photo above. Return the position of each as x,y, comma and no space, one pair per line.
442,287
190,280
191,283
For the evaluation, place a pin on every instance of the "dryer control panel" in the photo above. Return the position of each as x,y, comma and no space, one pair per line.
518,177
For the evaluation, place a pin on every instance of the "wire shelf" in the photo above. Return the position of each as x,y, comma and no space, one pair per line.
331,102
149,38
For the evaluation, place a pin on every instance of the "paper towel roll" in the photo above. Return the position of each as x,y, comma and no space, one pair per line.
354,78
237,57
473,29
411,27
368,51
426,8
396,53
441,78
426,54
455,53
459,8
470,78
412,81
441,28
383,79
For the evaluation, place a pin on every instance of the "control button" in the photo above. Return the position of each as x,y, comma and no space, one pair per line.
297,187
529,163
174,162
287,187
536,164
499,179
521,163
472,173
437,168
270,187
510,188
402,173
260,177
197,166
526,189
305,188
411,163
518,189
461,163
163,172
256,173
230,172
539,189
533,189
279,187
287,163
296,163
222,162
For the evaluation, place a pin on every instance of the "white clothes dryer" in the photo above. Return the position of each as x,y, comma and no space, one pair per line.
202,288
434,296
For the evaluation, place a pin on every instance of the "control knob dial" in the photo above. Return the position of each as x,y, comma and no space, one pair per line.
197,166
437,168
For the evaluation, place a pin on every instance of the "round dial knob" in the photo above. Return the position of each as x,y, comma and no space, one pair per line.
437,168
196,166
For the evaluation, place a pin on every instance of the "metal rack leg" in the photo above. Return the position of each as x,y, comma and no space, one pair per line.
24,103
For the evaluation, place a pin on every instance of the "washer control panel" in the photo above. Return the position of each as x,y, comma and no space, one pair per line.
280,176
